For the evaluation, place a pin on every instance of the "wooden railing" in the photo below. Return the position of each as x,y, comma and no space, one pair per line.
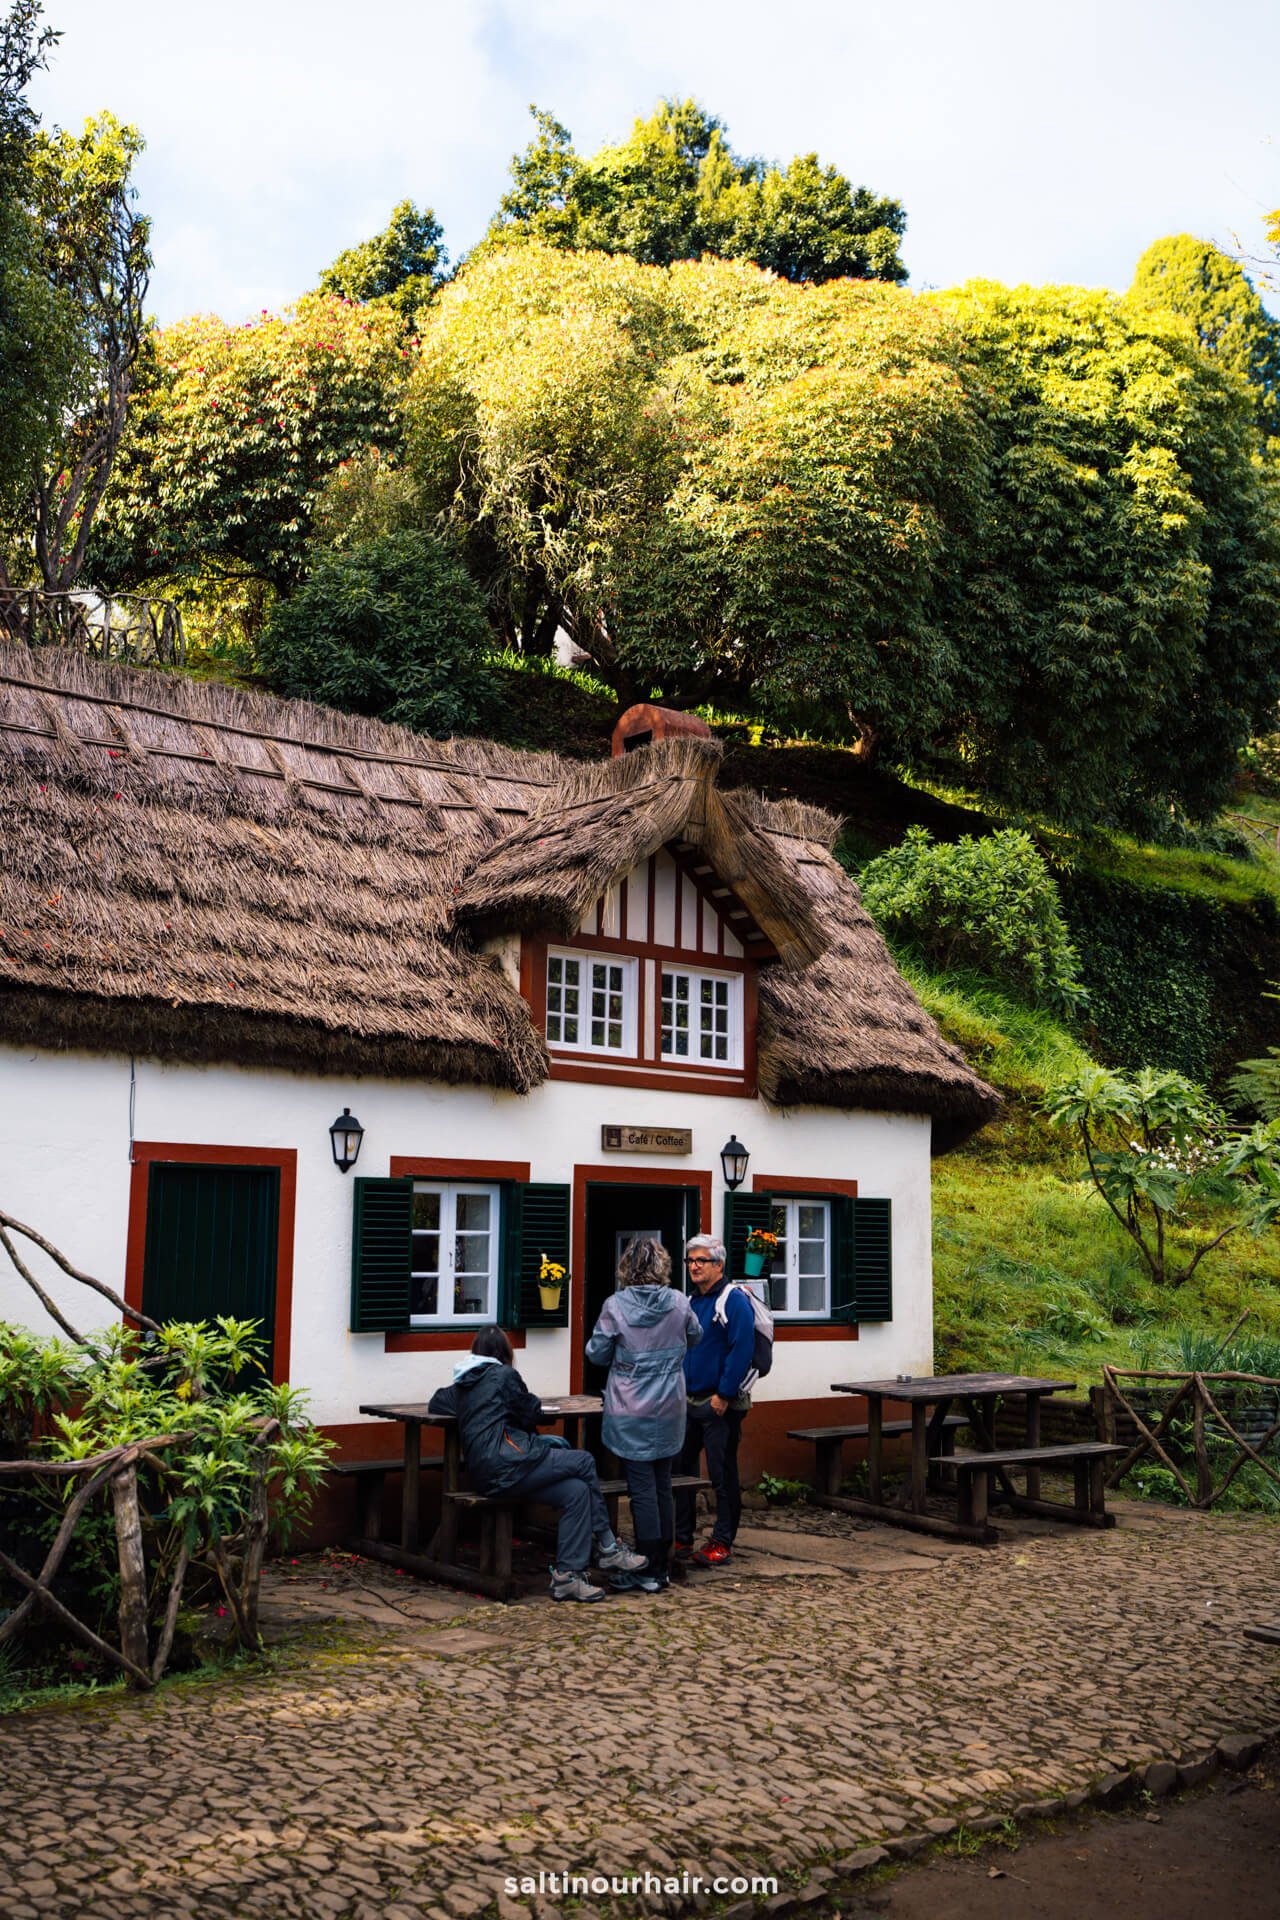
136,628
1200,1426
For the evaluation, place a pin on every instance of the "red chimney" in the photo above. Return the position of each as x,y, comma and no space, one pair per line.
642,724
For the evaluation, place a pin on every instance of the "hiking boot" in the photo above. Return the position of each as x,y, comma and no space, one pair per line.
714,1554
619,1559
567,1584
635,1583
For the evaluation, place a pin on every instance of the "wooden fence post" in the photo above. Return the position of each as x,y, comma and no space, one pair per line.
133,1569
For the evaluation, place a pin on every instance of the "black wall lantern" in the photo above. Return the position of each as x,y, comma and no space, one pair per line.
346,1133
734,1158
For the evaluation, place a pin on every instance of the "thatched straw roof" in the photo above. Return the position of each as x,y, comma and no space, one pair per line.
198,873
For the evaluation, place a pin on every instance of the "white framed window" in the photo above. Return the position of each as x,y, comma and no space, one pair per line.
702,1017
591,1002
801,1284
454,1263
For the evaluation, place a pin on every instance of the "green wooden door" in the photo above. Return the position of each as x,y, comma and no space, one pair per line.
211,1245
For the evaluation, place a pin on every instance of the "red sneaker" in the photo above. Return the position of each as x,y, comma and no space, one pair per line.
682,1551
712,1555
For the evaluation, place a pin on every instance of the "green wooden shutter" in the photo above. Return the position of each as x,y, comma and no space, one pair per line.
742,1213
381,1255
211,1245
873,1259
535,1220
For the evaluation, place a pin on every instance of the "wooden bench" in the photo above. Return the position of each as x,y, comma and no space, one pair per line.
829,1445
497,1517
1087,1459
370,1478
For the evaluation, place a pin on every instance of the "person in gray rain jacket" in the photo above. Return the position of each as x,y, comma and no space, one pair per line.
643,1333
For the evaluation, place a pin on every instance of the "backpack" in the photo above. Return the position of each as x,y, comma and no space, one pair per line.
762,1351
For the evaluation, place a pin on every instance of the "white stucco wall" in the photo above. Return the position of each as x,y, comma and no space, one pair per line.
65,1170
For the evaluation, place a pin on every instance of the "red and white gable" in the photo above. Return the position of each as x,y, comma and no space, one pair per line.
657,987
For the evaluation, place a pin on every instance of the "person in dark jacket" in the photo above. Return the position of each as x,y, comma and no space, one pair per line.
504,1453
642,1336
714,1373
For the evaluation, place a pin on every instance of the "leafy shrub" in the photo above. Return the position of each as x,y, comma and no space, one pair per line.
783,1493
989,902
393,628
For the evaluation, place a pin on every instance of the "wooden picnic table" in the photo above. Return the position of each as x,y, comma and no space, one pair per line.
930,1400
440,1560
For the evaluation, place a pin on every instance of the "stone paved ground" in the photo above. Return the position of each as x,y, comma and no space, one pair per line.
833,1688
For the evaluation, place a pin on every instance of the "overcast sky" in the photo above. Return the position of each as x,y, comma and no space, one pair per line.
1028,139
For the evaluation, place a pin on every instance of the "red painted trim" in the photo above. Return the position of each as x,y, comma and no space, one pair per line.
819,1186
147,1153
584,1177
444,1341
650,950
416,1167
814,1330
735,1084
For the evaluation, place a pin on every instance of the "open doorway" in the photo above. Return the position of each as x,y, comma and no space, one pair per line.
615,1216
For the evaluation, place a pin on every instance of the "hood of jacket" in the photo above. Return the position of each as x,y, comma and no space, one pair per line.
464,1369
645,1306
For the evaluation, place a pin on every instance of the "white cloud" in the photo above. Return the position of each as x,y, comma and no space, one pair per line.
1027,142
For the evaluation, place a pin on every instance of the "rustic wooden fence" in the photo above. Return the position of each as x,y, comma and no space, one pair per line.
1186,1420
135,628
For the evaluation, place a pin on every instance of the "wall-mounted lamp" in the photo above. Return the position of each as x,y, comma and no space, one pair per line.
346,1133
733,1159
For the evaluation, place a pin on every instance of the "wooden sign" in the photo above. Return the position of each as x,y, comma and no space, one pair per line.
646,1139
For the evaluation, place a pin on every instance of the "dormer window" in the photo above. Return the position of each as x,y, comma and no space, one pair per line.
591,1003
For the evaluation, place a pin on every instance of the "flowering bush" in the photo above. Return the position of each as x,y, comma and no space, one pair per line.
1161,1155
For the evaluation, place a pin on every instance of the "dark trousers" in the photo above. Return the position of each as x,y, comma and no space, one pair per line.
566,1479
717,1434
649,1485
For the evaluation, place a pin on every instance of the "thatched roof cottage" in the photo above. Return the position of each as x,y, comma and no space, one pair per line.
549,991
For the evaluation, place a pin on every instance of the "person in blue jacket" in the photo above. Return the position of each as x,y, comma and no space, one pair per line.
714,1372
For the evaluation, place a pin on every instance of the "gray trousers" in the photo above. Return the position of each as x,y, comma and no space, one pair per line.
649,1485
566,1479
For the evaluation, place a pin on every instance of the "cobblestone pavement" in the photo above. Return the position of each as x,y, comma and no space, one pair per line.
826,1690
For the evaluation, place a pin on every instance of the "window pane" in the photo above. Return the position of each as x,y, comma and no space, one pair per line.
473,1212
471,1253
426,1253
555,969
597,1033
813,1256
812,1221
426,1210
813,1293
569,1031
471,1295
424,1294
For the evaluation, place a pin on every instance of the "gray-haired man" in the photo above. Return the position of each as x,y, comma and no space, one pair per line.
714,1371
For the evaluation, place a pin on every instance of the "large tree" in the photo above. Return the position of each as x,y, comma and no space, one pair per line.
673,190
1193,278
401,265
37,331
1117,615
95,255
712,479
235,430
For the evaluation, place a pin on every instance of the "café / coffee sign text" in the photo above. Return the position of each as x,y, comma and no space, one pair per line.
646,1139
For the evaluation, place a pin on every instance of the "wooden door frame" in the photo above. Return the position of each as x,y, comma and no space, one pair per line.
148,1153
584,1177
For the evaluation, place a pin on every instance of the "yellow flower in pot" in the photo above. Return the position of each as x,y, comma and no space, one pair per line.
761,1248
550,1281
